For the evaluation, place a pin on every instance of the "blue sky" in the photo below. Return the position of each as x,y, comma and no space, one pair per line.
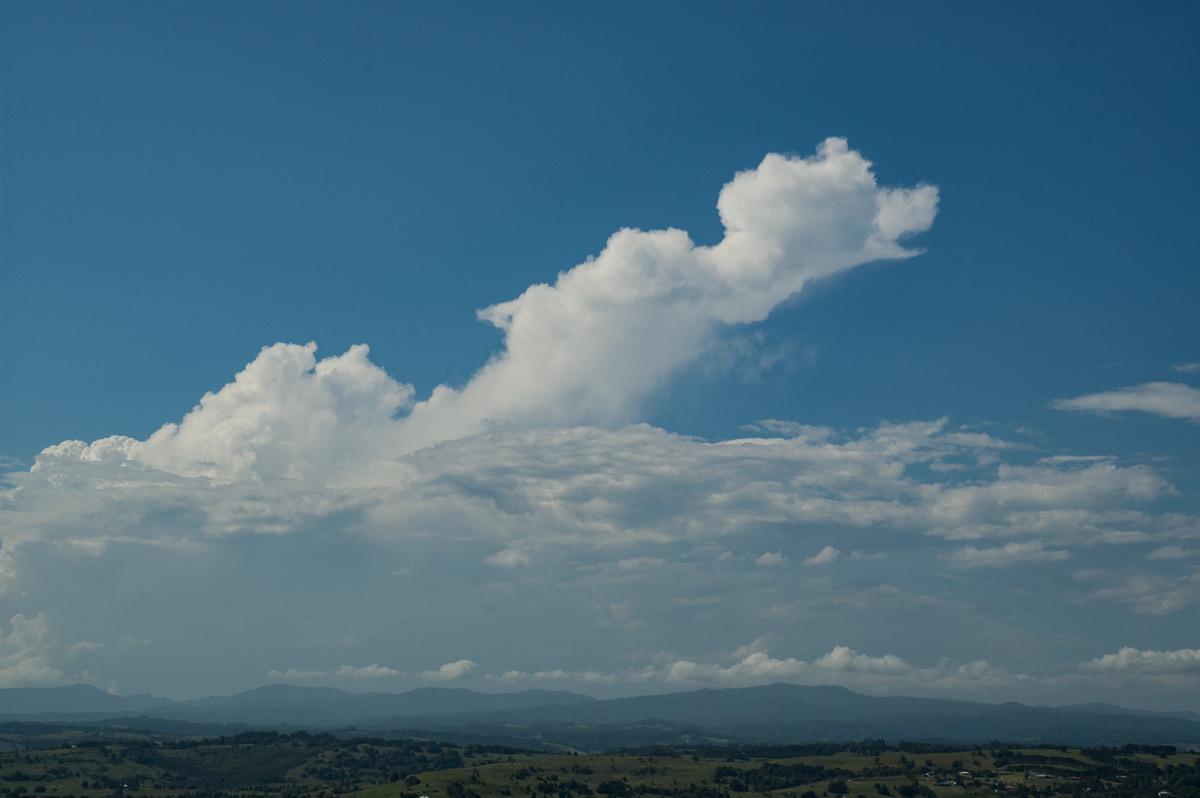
915,411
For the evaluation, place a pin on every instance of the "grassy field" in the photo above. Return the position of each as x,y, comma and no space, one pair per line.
268,764
945,775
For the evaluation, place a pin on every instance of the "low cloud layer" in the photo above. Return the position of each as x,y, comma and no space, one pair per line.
525,529
1173,672
566,554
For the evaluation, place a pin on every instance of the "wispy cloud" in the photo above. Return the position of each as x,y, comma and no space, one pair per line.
1169,399
1010,553
1171,553
1152,593
842,658
294,673
1128,659
508,558
366,672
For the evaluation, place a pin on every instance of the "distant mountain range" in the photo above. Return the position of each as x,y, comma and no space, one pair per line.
773,713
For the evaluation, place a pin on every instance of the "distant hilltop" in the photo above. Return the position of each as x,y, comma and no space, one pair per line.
772,713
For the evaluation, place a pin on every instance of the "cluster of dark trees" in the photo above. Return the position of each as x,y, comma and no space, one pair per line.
774,776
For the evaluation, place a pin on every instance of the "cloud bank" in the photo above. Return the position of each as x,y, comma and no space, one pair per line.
540,551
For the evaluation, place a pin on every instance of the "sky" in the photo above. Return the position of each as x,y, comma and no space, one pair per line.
610,347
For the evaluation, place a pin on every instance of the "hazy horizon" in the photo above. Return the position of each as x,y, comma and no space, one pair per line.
500,690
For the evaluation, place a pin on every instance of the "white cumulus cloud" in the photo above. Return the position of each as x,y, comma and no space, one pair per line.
285,415
451,671
824,556
842,658
566,354
23,658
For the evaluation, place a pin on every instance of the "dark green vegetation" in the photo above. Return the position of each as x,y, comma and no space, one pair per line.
266,763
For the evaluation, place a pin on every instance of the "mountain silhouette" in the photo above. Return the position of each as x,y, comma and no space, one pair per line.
770,713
